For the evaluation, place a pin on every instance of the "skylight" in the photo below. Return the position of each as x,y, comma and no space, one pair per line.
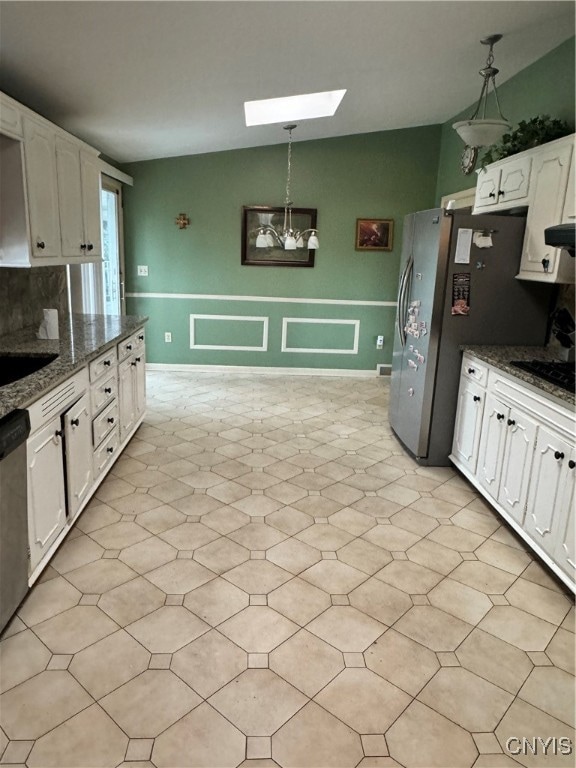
302,107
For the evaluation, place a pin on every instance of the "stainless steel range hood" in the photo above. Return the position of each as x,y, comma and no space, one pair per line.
561,236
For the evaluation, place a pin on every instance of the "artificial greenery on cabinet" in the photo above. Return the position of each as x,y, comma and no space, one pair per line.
529,134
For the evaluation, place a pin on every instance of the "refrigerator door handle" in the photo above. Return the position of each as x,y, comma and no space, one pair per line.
400,312
401,323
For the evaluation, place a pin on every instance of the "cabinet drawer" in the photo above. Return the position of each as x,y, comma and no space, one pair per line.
131,344
103,393
104,423
474,371
102,364
106,453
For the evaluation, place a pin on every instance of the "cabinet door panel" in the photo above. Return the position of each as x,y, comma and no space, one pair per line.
515,180
90,175
46,492
492,444
565,551
140,384
516,464
544,497
77,434
126,397
487,188
69,198
468,423
42,188
549,180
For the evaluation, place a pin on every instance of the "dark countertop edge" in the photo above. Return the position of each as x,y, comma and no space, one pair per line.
83,338
500,358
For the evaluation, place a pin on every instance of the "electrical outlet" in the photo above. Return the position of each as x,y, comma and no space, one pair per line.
142,271
379,342
168,337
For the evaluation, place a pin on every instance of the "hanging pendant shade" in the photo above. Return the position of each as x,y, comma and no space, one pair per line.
480,131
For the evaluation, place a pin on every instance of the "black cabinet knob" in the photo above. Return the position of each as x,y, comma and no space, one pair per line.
138,359
128,346
476,399
107,390
499,416
558,455
75,422
107,363
492,194
82,246
133,363
58,433
110,450
90,247
110,420
471,370
41,244
572,463
545,264
141,337
501,193
511,422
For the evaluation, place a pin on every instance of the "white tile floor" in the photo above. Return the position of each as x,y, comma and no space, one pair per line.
267,579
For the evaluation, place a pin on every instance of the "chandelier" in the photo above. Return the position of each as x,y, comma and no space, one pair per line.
480,131
289,238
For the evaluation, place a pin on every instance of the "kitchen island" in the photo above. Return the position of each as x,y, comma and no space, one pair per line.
514,440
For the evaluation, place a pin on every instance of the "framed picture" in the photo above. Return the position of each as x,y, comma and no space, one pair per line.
374,234
257,218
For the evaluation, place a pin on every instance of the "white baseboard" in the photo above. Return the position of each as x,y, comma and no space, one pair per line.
265,370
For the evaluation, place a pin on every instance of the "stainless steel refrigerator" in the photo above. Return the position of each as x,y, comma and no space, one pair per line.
457,287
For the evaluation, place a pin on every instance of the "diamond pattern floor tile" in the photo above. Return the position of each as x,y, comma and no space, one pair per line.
264,543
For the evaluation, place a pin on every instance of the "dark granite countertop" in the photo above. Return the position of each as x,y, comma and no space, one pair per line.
500,357
82,338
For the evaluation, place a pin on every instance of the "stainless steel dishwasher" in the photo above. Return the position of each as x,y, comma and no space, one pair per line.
14,430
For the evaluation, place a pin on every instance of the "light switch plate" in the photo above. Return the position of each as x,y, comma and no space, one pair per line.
142,271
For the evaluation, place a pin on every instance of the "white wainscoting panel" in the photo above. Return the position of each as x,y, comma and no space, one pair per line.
237,318
286,321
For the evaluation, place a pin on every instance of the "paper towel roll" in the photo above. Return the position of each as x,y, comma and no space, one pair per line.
49,326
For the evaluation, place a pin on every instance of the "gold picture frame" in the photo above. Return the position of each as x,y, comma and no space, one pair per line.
374,234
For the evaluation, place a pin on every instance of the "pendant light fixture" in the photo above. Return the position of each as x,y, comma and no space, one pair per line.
289,238
480,131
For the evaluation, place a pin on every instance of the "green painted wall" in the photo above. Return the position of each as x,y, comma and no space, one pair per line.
376,175
544,88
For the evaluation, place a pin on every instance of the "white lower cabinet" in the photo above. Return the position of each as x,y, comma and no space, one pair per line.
565,549
516,459
526,462
547,505
75,438
468,423
46,489
78,447
131,382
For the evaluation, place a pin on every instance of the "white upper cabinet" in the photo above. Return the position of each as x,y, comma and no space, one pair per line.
549,187
50,186
79,200
42,186
543,180
503,183
91,186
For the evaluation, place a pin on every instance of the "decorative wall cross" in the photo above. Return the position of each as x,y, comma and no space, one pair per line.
182,221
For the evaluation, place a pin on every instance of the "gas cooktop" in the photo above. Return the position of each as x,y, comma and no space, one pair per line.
559,373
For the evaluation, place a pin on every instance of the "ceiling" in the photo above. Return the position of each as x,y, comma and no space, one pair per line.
143,80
